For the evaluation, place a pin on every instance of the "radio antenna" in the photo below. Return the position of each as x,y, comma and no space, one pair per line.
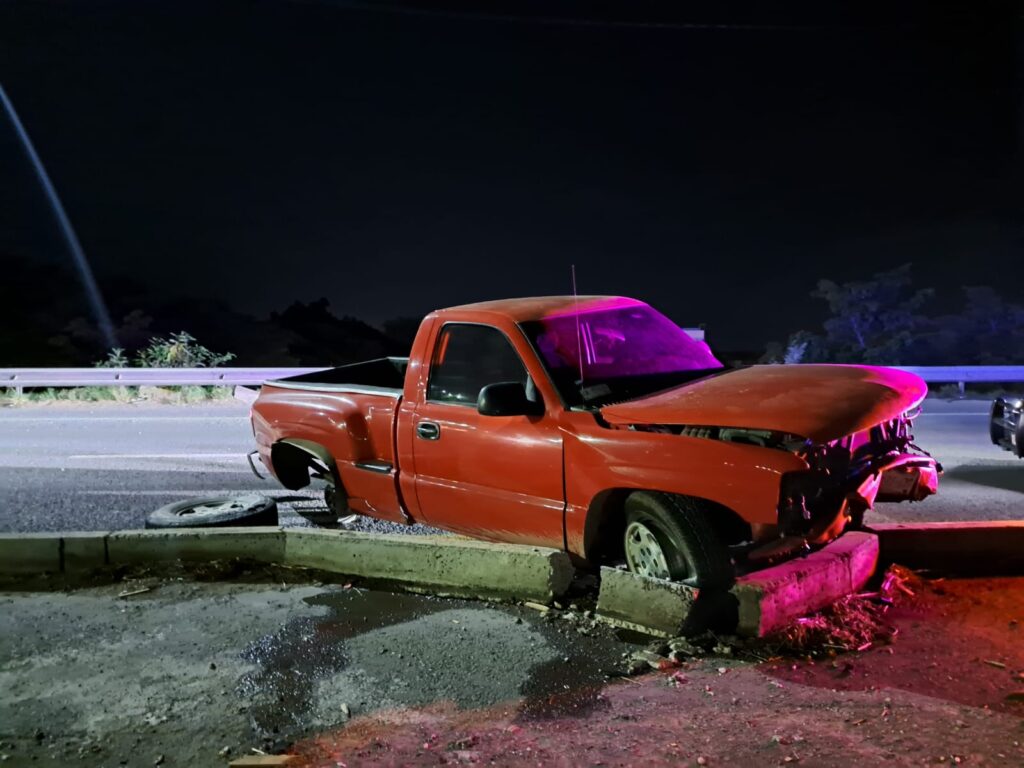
579,336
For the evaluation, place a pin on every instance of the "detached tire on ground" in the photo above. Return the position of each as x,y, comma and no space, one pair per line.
671,537
215,512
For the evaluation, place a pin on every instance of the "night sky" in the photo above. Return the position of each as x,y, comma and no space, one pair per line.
398,157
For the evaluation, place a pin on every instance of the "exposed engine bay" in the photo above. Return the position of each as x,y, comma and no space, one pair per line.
844,478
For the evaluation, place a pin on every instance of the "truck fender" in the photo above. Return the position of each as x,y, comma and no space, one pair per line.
293,458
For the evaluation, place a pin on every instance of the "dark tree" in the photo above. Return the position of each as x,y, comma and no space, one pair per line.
323,338
881,321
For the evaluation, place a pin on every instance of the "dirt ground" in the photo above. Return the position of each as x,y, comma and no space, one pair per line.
196,673
949,689
165,670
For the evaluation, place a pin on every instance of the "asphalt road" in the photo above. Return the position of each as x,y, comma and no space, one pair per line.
99,467
104,466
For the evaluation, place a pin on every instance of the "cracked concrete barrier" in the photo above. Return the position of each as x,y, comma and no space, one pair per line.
437,564
652,606
972,548
758,603
771,598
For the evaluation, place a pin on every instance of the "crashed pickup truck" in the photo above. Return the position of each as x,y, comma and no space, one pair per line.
596,425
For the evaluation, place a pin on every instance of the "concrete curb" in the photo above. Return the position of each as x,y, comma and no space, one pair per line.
772,598
259,544
435,564
28,553
973,548
643,604
758,603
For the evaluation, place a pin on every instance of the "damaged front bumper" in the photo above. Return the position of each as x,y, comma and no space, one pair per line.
815,507
907,477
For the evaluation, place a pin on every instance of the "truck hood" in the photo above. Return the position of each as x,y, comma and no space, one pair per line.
818,402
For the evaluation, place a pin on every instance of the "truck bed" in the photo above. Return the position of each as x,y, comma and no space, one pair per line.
344,417
383,375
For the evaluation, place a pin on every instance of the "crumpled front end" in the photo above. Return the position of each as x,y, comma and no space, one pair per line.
845,478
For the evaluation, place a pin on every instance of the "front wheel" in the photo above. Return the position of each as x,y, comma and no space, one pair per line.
670,537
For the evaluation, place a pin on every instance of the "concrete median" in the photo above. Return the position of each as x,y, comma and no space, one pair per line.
435,564
30,553
258,544
83,551
438,564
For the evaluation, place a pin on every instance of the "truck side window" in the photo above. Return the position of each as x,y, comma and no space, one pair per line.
469,357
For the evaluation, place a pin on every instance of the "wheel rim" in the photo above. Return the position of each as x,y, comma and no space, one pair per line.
643,552
212,508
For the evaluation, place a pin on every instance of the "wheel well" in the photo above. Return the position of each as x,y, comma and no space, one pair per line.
606,519
293,460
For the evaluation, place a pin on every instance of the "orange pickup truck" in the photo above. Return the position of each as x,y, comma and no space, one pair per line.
596,425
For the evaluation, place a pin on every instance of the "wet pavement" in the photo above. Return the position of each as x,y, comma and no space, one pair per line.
372,650
188,669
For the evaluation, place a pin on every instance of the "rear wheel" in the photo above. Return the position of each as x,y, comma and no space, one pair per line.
670,537
335,506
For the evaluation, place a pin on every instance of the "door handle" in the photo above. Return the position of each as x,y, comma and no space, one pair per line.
428,430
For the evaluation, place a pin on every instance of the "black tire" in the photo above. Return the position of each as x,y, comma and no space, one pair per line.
215,512
694,553
996,431
1019,438
335,507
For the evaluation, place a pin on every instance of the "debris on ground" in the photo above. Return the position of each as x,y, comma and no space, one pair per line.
540,607
263,761
133,592
854,623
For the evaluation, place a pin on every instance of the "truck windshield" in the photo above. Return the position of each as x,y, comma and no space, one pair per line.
626,352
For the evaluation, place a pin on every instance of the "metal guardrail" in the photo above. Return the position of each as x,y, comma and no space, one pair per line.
947,374
961,375
18,378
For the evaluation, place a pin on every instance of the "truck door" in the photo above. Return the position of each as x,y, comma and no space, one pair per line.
492,477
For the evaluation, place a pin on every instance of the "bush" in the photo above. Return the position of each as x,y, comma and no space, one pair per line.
181,350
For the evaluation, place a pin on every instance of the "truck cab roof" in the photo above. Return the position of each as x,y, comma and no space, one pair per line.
537,307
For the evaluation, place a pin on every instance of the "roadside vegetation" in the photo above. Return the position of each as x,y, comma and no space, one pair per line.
888,320
179,350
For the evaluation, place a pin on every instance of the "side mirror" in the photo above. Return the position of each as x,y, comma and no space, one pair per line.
507,398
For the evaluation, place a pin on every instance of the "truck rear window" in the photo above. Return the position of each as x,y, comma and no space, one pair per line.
469,357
